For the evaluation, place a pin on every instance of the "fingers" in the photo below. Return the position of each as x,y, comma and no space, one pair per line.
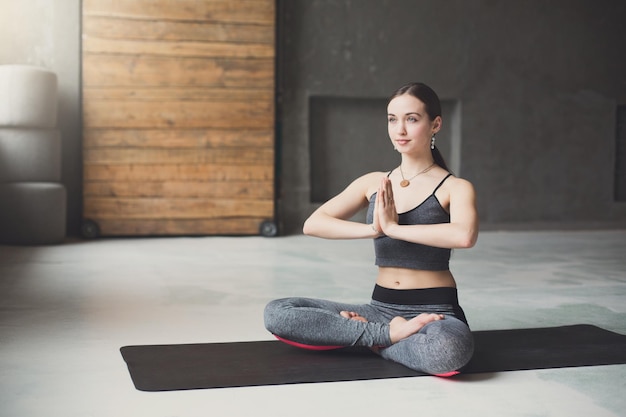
388,188
385,191
384,209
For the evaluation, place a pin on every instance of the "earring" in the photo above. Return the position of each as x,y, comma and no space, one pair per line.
432,142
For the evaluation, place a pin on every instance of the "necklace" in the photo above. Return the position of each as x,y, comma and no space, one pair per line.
405,182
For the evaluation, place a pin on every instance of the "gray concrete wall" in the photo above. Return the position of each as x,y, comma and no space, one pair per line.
537,84
47,34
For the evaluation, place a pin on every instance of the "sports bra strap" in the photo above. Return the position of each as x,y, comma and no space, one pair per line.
437,187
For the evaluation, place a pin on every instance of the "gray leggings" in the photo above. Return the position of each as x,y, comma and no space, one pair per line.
439,347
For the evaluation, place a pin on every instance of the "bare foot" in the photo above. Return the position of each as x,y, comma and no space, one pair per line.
401,328
352,316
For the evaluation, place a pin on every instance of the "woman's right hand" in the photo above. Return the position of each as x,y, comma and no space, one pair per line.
385,213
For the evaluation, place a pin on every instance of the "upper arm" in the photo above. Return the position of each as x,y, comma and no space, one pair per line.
463,210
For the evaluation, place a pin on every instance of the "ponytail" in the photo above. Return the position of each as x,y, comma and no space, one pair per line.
438,158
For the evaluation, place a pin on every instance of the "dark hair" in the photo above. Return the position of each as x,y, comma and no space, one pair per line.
432,105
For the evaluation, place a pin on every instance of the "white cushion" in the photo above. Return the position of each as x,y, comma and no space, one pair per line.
28,96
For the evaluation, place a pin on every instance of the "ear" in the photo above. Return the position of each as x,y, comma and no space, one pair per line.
437,124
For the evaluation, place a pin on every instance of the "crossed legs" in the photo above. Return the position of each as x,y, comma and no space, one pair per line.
427,342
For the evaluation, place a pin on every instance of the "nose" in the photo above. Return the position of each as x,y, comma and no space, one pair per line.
400,128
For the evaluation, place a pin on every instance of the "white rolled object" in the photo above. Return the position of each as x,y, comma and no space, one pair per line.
32,213
28,96
30,155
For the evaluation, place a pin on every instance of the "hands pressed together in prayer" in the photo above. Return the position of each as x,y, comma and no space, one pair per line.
385,214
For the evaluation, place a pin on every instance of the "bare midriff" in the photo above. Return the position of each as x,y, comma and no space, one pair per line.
407,279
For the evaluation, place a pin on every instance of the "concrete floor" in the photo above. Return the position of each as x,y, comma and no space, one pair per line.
66,310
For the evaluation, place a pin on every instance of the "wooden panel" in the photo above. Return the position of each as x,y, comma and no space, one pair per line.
154,172
262,190
119,28
175,208
147,227
254,76
178,115
178,49
240,11
231,156
177,138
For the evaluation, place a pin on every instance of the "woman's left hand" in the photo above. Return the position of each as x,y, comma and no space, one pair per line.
385,206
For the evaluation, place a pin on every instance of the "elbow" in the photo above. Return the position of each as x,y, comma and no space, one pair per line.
466,244
468,240
307,228
313,225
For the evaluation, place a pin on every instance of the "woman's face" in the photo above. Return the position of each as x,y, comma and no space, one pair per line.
409,126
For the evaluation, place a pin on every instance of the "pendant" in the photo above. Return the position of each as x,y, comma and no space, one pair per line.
404,183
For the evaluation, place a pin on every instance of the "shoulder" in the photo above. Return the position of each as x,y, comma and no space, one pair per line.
368,183
458,182
370,179
459,186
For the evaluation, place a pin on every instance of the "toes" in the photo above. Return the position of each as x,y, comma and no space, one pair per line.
351,315
433,316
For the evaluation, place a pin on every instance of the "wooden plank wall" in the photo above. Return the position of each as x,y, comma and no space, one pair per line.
178,115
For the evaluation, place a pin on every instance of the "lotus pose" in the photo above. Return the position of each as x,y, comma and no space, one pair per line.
417,213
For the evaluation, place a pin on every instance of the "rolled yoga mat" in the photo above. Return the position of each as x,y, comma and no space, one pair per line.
241,364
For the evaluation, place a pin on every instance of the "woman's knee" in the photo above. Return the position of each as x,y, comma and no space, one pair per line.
282,311
450,348
273,314
441,347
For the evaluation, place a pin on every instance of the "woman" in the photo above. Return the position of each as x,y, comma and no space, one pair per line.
416,214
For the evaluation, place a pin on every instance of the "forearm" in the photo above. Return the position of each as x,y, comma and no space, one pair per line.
443,235
332,228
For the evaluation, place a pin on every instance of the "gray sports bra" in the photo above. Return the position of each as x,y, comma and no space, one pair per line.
403,254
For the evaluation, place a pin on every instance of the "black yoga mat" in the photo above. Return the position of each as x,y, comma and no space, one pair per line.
240,364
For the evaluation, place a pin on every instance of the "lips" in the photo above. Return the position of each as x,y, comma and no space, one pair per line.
402,141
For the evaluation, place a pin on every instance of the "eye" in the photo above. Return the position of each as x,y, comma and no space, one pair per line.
411,119
391,119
